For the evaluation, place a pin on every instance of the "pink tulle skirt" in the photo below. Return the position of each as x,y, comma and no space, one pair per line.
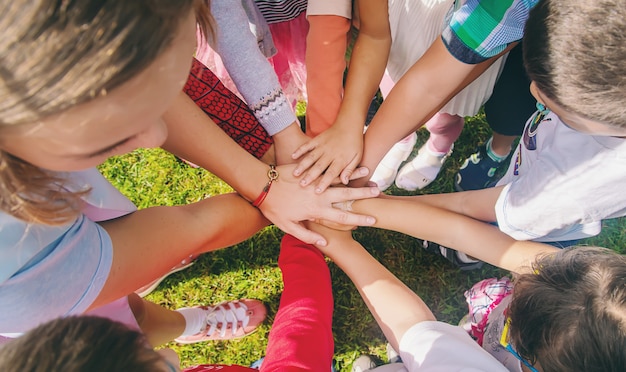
290,40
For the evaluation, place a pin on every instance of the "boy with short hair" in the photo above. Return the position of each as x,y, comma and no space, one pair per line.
568,172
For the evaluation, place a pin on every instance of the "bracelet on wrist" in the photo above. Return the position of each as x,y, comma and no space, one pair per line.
272,174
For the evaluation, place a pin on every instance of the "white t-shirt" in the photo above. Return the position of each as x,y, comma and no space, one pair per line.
440,347
565,187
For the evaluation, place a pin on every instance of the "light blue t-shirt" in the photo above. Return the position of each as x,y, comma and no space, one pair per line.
51,271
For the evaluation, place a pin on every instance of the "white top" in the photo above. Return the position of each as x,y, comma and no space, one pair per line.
564,188
341,8
415,25
436,346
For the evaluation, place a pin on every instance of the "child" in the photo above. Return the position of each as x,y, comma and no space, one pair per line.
301,337
245,61
575,297
448,64
566,174
66,107
560,291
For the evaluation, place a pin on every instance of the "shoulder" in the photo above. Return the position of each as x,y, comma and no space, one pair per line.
480,29
438,346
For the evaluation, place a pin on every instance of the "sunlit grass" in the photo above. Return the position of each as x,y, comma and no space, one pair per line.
249,270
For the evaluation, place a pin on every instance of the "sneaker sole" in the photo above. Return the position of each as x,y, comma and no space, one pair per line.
156,283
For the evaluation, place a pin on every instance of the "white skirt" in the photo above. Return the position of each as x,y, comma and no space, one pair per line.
415,25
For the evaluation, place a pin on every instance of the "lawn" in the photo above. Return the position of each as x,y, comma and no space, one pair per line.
249,269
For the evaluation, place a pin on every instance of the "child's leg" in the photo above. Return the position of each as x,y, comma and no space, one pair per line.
160,325
506,112
444,130
301,337
149,242
325,64
424,168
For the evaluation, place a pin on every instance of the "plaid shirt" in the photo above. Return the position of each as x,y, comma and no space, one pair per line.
480,29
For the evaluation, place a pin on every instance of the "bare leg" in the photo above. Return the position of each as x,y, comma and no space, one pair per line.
501,144
160,325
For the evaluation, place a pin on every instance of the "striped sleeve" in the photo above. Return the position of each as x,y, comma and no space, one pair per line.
276,11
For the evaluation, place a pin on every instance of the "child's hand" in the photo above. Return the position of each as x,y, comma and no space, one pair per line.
337,239
288,204
287,141
334,153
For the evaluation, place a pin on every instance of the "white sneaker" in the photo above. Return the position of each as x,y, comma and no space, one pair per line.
387,170
422,170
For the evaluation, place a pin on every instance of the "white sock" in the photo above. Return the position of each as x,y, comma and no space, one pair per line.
195,320
429,164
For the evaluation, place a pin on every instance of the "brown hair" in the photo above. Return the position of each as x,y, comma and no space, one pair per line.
571,314
57,54
574,50
84,343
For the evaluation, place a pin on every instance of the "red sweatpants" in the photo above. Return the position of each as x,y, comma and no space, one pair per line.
301,338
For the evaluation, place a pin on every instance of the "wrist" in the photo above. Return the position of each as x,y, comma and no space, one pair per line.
272,175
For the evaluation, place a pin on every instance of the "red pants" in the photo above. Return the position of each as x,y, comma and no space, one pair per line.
301,338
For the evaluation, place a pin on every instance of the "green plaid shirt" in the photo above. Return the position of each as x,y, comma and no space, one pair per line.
480,29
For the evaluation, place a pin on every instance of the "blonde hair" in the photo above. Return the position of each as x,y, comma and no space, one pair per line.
58,54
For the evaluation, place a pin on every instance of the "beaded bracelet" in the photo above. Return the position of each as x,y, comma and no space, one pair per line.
272,174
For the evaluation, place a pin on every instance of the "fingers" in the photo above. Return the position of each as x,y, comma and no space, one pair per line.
340,194
316,170
335,226
344,196
329,176
339,169
348,171
360,173
305,163
302,233
337,216
310,145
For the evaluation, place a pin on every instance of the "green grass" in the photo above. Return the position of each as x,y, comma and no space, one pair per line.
154,177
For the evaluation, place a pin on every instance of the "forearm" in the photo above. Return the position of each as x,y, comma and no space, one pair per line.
195,137
475,238
477,204
247,66
325,65
149,242
423,90
367,62
395,307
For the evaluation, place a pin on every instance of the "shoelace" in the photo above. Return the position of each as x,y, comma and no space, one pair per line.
220,314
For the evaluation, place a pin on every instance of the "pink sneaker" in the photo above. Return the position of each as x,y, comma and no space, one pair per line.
229,320
148,288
